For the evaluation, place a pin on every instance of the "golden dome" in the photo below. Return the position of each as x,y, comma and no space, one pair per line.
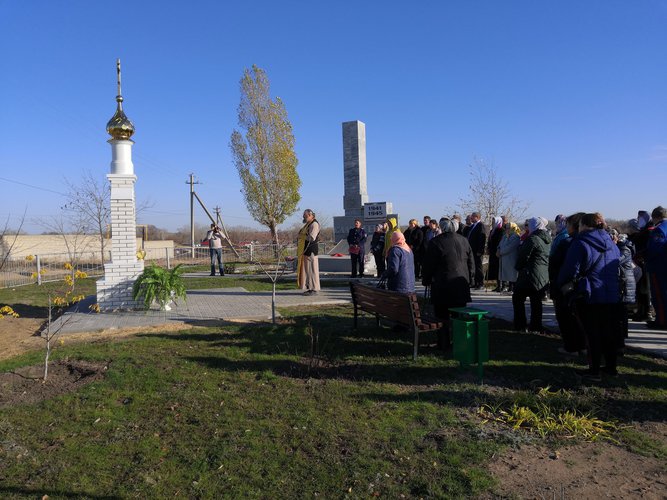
120,127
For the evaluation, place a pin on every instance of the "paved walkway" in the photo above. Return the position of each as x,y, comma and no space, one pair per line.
240,304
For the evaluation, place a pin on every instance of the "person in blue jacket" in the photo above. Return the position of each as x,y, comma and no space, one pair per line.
593,258
400,265
656,267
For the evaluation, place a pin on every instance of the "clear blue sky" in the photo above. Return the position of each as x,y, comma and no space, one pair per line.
567,98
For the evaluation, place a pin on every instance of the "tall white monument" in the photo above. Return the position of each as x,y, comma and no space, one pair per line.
114,291
355,199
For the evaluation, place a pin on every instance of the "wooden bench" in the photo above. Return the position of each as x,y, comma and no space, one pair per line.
398,307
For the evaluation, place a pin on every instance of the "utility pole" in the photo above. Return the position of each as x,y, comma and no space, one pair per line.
192,183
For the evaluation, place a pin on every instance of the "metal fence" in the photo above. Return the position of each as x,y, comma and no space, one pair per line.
52,267
44,268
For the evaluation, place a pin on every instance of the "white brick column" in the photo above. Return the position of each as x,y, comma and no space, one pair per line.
114,291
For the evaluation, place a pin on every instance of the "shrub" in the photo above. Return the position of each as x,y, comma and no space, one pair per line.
160,285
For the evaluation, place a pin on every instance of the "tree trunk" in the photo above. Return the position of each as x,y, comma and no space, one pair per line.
273,303
273,228
46,358
101,231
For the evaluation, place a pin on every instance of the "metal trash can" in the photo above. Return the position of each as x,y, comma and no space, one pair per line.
470,335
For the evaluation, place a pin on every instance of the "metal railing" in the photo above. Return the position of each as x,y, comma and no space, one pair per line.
44,268
52,267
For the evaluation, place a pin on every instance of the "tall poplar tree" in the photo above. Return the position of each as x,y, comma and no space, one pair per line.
265,157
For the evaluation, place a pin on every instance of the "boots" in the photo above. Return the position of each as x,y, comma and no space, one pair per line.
212,271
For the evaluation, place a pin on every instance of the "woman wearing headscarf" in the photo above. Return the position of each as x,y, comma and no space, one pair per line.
308,270
574,338
594,259
400,265
377,249
561,232
391,225
495,236
508,250
532,264
449,269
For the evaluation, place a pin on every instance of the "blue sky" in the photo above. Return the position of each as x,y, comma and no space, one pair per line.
567,98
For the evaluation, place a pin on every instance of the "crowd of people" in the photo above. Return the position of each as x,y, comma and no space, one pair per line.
597,277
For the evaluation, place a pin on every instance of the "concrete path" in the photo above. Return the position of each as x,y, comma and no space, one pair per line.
239,304
201,305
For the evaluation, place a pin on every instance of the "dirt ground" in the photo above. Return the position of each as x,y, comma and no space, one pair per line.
581,471
585,470
26,385
20,335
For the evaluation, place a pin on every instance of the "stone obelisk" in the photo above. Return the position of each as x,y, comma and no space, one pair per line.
354,168
354,177
114,291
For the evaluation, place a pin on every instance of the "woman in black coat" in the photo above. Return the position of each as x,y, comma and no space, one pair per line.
449,269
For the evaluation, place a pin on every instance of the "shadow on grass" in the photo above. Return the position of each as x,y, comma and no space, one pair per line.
464,398
30,311
208,323
317,368
58,493
324,344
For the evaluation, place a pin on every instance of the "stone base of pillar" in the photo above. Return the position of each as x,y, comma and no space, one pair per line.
114,291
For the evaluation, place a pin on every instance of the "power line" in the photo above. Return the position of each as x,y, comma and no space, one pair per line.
31,186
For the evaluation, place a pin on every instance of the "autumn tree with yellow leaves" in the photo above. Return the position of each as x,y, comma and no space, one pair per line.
264,156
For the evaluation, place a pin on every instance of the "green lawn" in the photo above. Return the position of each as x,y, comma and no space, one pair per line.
307,407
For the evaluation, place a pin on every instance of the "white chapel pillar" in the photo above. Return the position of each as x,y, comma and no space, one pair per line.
114,291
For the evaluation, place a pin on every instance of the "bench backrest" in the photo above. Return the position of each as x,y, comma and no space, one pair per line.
399,307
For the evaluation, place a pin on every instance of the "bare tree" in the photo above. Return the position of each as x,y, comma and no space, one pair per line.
73,231
279,269
489,194
8,239
88,206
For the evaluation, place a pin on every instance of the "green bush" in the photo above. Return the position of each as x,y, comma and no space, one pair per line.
160,285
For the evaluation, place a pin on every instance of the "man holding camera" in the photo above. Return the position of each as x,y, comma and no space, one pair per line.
214,238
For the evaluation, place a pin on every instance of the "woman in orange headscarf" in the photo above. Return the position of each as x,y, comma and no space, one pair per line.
400,265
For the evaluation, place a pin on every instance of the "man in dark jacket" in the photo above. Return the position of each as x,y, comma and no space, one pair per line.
656,267
414,237
377,249
426,226
356,238
532,262
448,268
477,239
